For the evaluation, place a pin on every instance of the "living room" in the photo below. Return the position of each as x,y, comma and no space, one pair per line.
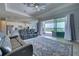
50,29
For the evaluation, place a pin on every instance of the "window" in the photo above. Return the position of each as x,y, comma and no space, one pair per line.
60,25
49,26
55,26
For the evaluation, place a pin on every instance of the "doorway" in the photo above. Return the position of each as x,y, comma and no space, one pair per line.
55,27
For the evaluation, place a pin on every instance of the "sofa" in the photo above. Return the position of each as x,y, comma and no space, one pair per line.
26,50
6,48
5,45
58,34
27,33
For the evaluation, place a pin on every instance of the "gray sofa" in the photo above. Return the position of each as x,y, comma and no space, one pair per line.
26,50
6,48
27,33
5,45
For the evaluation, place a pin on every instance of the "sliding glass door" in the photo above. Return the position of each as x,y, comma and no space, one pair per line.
56,27
60,27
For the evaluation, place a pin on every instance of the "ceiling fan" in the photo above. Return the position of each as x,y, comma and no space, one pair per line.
37,6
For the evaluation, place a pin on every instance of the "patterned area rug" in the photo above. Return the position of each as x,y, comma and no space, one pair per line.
46,47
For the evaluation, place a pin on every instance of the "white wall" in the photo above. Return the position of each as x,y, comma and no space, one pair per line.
16,24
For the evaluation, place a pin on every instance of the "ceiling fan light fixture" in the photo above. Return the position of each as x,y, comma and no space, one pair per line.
36,6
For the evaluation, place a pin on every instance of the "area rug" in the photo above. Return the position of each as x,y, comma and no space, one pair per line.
46,47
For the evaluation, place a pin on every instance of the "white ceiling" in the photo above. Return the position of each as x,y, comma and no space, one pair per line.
48,7
25,13
32,11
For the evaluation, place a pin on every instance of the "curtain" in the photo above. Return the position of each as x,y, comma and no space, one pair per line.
70,28
67,35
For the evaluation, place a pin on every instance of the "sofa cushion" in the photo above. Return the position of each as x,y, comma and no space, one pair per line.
5,44
5,50
0,52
